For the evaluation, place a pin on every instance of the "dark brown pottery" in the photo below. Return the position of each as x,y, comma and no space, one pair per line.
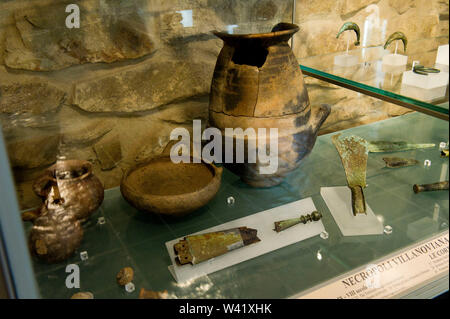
257,83
163,187
76,188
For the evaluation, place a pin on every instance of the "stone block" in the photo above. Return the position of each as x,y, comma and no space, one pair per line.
109,152
144,87
109,31
33,95
36,148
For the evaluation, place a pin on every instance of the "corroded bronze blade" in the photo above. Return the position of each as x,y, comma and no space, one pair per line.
388,146
353,151
394,162
285,224
198,248
430,187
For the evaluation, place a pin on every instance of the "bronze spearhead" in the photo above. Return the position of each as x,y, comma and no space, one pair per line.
395,162
396,146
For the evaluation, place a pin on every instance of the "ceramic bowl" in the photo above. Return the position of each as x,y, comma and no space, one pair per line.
162,187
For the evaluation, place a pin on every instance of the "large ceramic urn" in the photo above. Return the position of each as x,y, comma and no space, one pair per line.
257,83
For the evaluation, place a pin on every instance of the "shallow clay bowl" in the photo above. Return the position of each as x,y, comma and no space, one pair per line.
162,187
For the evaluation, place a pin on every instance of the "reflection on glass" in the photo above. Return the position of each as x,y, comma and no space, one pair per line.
187,20
372,22
380,218
319,255
436,212
231,27
444,172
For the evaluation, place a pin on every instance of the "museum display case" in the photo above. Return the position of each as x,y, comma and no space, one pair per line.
103,198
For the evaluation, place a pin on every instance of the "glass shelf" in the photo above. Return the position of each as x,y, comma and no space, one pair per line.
371,78
136,239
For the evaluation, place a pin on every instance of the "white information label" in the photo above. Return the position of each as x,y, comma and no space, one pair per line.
391,276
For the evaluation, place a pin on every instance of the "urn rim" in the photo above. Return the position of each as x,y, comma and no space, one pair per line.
283,31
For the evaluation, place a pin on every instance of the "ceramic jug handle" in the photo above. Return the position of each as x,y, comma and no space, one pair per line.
43,185
31,215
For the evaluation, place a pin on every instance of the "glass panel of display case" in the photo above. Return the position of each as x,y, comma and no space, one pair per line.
90,98
111,91
119,235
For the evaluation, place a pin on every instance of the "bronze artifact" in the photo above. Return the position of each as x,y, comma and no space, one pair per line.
397,36
53,199
430,187
394,162
285,224
387,146
83,295
195,249
80,191
353,151
350,26
422,70
257,84
56,234
163,187
124,276
150,294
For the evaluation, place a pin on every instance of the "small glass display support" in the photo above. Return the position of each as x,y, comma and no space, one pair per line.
338,200
346,60
395,60
428,87
442,58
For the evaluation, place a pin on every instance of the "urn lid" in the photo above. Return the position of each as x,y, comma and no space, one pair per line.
281,32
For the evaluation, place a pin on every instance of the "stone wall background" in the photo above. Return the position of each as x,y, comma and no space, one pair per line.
112,91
